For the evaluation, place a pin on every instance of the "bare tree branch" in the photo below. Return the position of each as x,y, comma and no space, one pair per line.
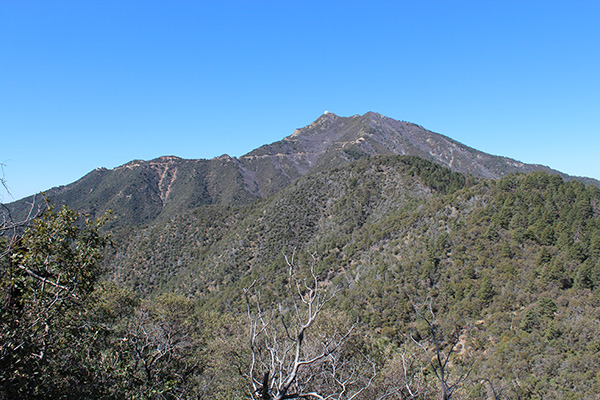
48,281
441,365
282,345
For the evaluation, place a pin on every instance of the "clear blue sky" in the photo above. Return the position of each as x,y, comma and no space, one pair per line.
87,84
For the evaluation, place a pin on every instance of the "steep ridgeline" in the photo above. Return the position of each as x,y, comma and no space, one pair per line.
332,140
139,192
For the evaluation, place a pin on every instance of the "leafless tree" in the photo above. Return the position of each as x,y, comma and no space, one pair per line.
3,178
438,350
159,348
291,358
11,228
404,375
500,391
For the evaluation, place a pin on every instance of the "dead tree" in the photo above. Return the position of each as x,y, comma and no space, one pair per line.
442,349
290,358
404,376
499,392
12,229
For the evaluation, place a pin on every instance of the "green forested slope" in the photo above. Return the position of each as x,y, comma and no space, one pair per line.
213,245
506,271
513,264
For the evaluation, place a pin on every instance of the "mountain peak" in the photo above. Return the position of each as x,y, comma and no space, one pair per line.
169,183
333,140
373,114
327,116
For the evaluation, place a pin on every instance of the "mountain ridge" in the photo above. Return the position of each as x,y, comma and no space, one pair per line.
140,191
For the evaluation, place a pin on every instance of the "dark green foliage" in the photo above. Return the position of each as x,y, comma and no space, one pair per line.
45,278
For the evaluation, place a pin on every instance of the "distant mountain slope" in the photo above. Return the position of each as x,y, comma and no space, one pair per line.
332,139
142,191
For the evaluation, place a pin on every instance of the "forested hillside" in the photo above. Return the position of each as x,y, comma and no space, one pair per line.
358,258
426,282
